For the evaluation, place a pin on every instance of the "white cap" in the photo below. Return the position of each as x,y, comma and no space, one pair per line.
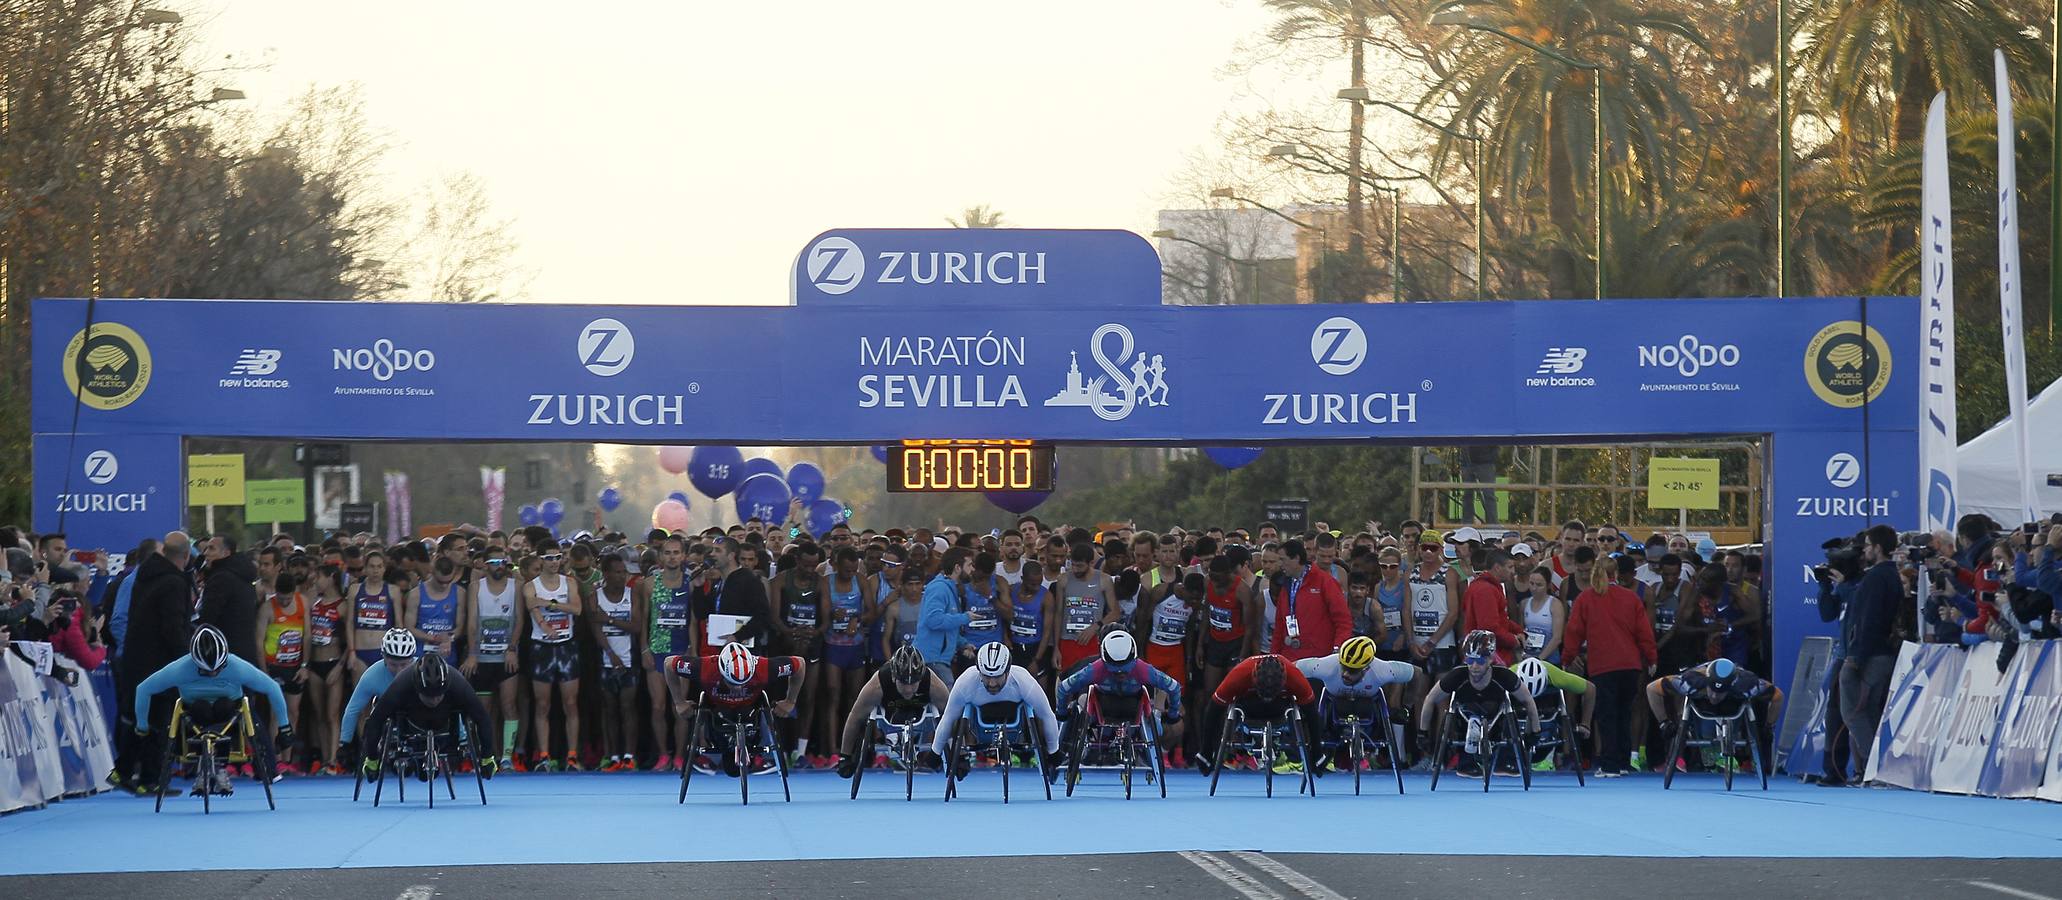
1464,534
1521,549
939,544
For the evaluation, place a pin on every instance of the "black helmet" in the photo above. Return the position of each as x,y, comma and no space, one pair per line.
210,650
432,676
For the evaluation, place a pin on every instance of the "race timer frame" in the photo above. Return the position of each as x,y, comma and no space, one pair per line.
957,466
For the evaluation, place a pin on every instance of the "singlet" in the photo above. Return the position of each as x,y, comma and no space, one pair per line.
907,612
1539,624
558,626
1393,600
1227,616
1170,622
1428,606
1027,617
1665,605
797,606
323,619
1732,642
618,638
284,637
438,616
373,612
901,707
670,610
497,619
984,624
1084,603
846,610
1016,578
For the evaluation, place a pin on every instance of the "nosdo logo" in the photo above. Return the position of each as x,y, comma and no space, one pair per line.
101,466
606,347
1689,355
1843,470
382,360
1338,346
835,265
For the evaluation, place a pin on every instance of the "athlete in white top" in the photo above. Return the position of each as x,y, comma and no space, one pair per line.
1381,672
1012,686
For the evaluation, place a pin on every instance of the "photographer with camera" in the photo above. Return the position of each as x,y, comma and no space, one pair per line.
1868,646
1839,578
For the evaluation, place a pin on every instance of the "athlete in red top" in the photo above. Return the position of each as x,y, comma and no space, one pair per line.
1264,687
732,679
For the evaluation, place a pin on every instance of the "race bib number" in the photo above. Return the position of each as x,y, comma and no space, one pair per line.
1081,615
982,619
672,622
1169,630
1424,621
1392,618
373,620
290,648
1220,618
802,617
325,632
558,626
1535,641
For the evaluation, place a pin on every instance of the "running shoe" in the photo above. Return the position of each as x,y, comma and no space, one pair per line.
573,764
1609,773
799,763
765,765
1639,760
1469,769
1544,765
880,761
508,765
703,766
516,765
730,766
287,768
1288,767
665,763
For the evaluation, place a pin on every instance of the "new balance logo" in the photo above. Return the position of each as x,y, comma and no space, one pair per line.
255,362
1562,361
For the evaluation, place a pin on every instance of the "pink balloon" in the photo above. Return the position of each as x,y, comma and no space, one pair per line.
674,459
670,515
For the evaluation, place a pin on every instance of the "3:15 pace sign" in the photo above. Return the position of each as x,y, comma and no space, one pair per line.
956,466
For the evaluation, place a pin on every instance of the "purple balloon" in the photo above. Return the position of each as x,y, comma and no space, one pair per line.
1019,502
764,497
529,516
823,514
715,471
681,497
1232,457
759,465
806,480
552,509
609,499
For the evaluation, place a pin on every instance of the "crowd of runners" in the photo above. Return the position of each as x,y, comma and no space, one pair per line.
594,651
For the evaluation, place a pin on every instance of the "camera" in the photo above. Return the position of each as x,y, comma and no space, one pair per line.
1842,555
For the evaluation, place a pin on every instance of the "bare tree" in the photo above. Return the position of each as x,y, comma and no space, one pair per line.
458,249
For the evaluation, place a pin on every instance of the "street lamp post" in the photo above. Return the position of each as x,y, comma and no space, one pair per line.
1324,234
1783,147
1291,151
1596,79
1481,178
1250,271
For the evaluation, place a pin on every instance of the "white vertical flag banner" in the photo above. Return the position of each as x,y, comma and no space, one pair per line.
2009,284
1937,470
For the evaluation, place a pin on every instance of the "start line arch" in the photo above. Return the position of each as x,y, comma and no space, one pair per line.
1054,335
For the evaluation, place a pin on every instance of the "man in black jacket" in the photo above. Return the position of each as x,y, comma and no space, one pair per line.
228,599
1871,648
160,628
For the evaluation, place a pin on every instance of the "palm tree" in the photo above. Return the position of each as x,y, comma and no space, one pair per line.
1345,21
977,217
1536,112
1879,62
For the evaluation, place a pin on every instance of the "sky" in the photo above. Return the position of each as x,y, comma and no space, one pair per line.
684,152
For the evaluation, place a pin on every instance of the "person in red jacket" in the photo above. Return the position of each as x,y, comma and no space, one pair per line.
1310,614
1614,630
1485,607
1264,688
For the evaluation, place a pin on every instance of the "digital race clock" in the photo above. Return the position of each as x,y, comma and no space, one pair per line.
941,466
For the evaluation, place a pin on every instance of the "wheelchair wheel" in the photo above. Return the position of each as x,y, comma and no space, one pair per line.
1074,754
172,743
1569,747
741,754
1520,754
465,746
265,778
1356,749
780,760
1388,739
953,749
1439,747
1217,757
204,773
1130,756
1266,756
1725,741
866,745
1038,755
1675,750
1302,743
910,749
1158,760
1003,745
1754,753
694,754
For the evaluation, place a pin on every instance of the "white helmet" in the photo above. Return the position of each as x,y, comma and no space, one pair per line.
993,659
398,644
1532,673
210,650
736,663
1119,648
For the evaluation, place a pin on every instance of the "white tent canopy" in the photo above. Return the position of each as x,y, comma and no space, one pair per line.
1989,478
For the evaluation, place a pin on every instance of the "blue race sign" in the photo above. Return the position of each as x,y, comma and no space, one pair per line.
988,266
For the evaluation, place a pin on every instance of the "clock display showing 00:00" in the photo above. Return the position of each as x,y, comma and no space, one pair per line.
942,466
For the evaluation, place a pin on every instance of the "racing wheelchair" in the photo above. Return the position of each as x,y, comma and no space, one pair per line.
997,731
1263,740
1557,734
737,734
1122,732
1360,728
208,737
1488,736
408,747
901,742
1721,728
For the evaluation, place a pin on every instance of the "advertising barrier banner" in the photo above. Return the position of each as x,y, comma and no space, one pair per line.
2025,734
1921,700
53,736
1978,700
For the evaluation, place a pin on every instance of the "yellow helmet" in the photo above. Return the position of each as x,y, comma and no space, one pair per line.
1357,653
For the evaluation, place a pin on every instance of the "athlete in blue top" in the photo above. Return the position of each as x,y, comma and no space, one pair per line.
211,683
397,650
437,609
1119,671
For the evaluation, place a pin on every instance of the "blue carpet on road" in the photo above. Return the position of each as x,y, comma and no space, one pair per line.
624,818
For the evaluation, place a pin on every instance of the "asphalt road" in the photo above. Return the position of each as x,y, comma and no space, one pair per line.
1232,875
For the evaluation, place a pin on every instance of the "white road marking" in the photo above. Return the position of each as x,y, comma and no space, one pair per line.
2009,891
1223,871
416,892
1304,884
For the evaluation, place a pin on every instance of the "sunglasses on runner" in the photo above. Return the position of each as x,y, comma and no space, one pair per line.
552,557
1476,660
1391,566
497,561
